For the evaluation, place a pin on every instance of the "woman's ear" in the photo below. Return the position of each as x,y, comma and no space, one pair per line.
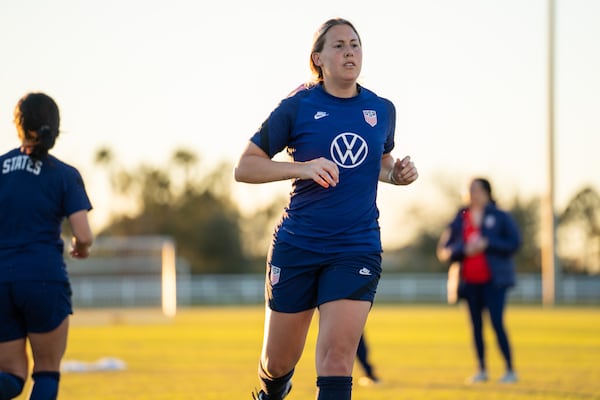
316,57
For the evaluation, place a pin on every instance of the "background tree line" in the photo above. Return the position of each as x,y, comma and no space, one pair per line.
198,211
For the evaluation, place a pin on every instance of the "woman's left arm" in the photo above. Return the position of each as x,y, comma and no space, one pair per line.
397,172
82,234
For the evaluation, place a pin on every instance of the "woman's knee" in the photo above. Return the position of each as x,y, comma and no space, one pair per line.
13,358
336,361
276,367
497,317
498,324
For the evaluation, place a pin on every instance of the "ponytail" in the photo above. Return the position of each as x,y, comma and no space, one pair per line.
46,141
37,112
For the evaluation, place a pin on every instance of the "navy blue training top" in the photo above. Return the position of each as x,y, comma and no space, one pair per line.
352,132
35,197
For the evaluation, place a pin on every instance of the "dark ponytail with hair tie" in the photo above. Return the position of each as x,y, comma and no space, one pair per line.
45,142
39,113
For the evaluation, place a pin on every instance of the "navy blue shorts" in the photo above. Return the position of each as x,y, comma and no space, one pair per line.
32,307
299,280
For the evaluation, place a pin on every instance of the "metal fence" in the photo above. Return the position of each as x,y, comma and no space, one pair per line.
144,291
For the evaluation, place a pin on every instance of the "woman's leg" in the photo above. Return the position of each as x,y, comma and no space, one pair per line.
283,344
13,368
476,305
13,355
48,350
341,324
496,302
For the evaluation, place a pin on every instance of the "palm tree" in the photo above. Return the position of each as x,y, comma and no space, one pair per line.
583,213
185,159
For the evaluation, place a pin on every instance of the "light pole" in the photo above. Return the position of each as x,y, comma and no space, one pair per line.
550,269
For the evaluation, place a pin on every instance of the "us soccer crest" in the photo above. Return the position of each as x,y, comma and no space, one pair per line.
370,117
489,221
275,274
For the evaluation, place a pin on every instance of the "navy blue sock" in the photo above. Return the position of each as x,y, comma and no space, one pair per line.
45,385
334,387
10,386
274,388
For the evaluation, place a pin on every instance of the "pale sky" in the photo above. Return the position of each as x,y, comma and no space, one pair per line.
468,78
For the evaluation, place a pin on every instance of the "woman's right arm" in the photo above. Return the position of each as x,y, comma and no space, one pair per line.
444,253
82,234
450,246
255,166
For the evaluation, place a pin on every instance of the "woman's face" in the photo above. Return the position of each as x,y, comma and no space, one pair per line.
341,57
477,194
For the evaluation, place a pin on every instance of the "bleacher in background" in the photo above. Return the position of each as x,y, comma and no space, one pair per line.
128,272
145,290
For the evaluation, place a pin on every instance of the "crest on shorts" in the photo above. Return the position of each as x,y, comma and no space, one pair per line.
275,274
370,117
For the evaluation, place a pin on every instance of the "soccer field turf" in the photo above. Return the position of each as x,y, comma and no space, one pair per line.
420,352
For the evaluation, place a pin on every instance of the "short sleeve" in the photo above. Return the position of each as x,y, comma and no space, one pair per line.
274,134
75,196
391,128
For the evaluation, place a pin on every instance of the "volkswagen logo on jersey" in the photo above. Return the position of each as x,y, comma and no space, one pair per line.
348,150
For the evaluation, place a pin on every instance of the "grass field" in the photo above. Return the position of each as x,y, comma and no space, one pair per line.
420,352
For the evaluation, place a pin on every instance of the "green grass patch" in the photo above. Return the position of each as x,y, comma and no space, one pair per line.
420,352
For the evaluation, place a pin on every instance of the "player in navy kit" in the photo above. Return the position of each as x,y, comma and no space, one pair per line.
37,191
326,250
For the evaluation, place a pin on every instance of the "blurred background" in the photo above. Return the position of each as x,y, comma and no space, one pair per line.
158,99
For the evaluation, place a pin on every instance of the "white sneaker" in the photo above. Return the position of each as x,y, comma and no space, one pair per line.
368,380
479,377
509,377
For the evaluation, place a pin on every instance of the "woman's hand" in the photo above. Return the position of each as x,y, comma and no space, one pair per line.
475,245
403,172
398,171
79,250
321,170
